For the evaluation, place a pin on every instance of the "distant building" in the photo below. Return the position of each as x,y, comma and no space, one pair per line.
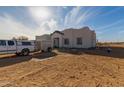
74,38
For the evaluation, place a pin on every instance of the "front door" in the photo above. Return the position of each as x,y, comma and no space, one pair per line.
11,46
3,47
56,42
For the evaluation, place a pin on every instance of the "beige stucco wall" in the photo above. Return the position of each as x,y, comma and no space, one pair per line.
93,39
88,38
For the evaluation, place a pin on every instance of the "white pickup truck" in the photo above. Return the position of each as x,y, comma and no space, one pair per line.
18,47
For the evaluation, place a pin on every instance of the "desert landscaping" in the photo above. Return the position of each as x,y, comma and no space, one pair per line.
65,68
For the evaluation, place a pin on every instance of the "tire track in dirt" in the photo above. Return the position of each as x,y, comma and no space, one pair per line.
72,70
9,77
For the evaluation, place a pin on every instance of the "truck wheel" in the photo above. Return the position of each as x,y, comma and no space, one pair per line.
25,52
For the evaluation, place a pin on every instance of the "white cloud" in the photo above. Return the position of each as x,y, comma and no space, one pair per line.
44,17
99,33
71,17
40,13
65,7
111,11
85,16
110,26
9,27
121,32
49,26
52,24
79,15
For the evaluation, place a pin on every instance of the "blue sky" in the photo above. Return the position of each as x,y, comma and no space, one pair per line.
31,21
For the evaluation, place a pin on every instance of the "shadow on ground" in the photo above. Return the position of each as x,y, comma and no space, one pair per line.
19,59
117,52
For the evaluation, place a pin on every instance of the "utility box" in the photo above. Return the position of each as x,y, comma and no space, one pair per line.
43,42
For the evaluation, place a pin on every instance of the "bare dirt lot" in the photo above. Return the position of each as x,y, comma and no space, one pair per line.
65,68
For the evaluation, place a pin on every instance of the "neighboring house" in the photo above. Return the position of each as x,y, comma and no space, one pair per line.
74,38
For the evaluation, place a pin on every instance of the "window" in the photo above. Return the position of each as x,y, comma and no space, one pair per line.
79,41
2,43
66,41
26,43
10,43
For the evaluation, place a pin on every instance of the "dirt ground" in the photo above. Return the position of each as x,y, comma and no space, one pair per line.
88,68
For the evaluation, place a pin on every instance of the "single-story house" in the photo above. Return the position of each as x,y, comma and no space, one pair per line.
74,38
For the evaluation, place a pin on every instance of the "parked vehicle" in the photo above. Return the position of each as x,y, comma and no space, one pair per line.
20,47
46,46
44,43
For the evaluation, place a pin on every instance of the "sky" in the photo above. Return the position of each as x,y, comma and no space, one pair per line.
106,21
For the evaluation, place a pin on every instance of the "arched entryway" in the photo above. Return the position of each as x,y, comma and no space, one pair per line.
56,43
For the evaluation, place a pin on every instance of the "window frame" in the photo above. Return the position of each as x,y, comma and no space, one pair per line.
66,41
79,41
